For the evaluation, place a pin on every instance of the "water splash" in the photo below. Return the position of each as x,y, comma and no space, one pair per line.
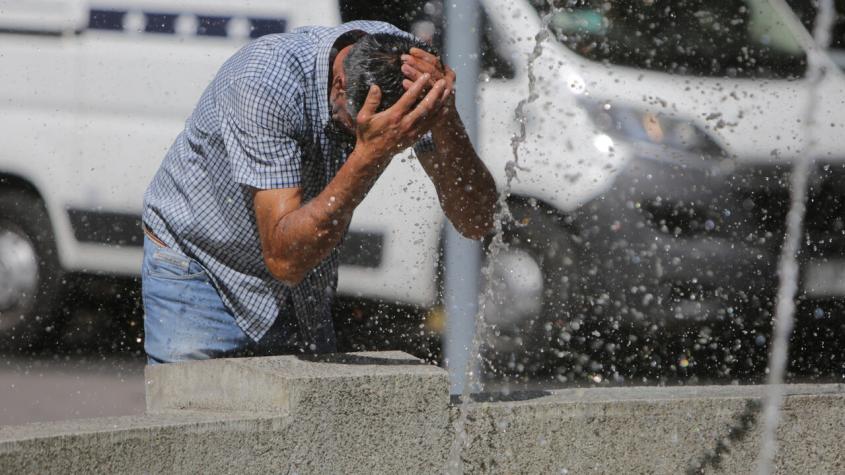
502,217
788,265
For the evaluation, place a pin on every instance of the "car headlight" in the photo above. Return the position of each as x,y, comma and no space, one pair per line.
603,143
632,125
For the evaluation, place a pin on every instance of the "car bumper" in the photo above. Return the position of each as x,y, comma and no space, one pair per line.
671,241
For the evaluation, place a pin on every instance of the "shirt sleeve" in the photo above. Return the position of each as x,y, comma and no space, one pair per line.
424,144
258,128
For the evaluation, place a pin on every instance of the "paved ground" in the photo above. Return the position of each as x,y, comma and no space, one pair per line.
43,389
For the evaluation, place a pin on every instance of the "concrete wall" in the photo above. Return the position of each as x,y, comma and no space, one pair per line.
389,413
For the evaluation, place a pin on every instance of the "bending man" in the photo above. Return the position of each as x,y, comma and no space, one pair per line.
245,214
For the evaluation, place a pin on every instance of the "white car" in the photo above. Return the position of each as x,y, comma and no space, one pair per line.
714,102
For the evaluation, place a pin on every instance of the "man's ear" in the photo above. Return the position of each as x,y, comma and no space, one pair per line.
337,87
342,85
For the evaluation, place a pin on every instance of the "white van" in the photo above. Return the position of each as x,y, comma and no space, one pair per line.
94,93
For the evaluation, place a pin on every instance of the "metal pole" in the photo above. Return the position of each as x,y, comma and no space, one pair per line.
462,256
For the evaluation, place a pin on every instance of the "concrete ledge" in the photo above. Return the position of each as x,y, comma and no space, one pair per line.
388,413
355,413
708,429
183,443
389,381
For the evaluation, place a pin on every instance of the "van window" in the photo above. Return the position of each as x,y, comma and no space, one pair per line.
743,39
184,23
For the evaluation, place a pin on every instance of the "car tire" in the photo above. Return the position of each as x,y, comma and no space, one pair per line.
30,276
520,327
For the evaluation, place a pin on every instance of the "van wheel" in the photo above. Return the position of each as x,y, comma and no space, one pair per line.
29,271
535,292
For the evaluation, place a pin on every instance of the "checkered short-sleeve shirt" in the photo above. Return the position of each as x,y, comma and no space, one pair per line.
263,123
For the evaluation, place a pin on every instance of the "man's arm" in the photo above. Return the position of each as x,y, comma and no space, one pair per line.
296,237
464,186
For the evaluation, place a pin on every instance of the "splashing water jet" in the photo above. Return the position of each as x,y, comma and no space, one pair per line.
503,215
788,265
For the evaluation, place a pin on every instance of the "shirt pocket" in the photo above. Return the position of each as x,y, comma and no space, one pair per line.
169,264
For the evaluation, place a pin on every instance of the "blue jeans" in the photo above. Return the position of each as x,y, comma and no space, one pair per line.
185,318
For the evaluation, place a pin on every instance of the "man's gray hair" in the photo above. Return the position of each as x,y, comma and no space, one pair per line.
375,59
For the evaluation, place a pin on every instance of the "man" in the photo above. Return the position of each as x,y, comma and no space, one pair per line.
244,217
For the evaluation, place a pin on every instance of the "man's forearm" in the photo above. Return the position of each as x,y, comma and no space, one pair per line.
295,237
464,186
305,236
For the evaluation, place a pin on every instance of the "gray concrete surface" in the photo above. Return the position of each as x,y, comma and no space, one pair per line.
387,413
712,429
357,413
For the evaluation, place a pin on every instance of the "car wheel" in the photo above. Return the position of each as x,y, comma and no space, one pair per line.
534,297
29,271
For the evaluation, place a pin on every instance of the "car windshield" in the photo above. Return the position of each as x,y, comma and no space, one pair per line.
743,39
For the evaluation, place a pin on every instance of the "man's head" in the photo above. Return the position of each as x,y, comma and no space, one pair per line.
372,59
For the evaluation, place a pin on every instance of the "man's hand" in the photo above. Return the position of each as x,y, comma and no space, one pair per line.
464,186
381,135
295,237
420,62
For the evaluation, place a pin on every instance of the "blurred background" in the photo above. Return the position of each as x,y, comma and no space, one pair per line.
649,144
